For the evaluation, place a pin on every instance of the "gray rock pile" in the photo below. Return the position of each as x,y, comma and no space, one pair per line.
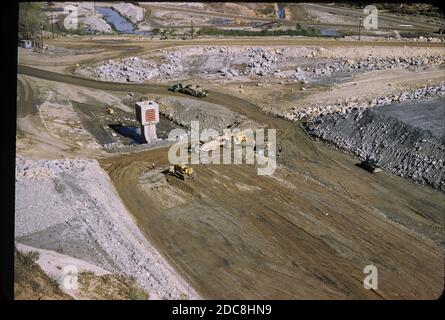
131,69
262,62
134,69
228,72
298,113
369,64
396,146
71,205
41,169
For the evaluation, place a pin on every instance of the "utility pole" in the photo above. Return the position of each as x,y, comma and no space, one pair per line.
359,26
41,35
52,24
192,30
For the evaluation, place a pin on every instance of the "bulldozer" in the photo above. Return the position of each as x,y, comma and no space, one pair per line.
181,171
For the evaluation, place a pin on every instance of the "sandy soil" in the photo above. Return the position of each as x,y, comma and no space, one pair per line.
294,243
338,184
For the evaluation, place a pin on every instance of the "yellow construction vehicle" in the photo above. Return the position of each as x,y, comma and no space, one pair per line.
110,112
242,138
181,171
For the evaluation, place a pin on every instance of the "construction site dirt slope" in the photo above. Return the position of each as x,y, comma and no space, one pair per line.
296,231
308,231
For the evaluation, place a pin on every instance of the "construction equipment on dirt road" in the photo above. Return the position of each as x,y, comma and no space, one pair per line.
191,89
240,138
223,141
110,112
370,165
181,171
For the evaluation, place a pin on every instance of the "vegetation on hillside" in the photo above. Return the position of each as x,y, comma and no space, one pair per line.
30,282
31,17
264,33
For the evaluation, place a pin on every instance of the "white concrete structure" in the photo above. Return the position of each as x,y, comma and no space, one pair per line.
147,113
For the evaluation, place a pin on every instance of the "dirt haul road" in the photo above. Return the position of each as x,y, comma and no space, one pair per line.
306,232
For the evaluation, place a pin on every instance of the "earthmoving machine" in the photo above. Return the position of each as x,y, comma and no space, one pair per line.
370,165
110,112
191,89
240,138
181,171
223,140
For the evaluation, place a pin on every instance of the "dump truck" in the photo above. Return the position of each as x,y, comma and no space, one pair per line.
181,171
191,89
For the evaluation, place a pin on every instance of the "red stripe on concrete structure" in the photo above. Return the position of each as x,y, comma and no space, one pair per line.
150,115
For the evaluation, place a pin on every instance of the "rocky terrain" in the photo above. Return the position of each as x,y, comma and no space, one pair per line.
70,206
397,145
348,106
137,70
308,65
332,68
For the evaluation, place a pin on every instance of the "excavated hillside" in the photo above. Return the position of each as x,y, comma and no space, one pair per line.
401,140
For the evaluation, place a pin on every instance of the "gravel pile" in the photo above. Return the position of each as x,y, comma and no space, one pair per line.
419,39
262,62
298,113
396,146
73,200
134,69
43,169
300,64
370,64
228,72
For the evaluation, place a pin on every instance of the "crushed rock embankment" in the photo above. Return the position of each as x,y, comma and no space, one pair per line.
399,147
70,206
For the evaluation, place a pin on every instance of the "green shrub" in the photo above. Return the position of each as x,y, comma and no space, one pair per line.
263,33
137,294
29,258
